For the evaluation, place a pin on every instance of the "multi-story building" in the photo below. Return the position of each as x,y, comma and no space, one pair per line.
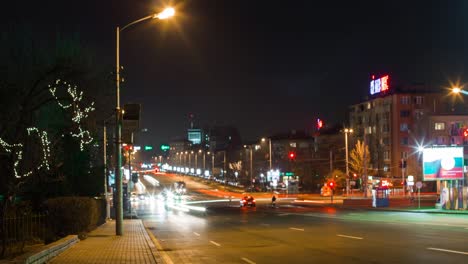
393,122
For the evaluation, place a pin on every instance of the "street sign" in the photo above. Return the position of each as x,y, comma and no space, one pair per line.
148,147
418,185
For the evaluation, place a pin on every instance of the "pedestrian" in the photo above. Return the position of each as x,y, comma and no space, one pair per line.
273,201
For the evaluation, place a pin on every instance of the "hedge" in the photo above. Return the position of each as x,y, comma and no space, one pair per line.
74,215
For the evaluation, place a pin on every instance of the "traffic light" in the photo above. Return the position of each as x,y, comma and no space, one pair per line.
331,184
292,155
148,148
465,132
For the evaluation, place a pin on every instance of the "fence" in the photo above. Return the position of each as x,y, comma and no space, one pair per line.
16,231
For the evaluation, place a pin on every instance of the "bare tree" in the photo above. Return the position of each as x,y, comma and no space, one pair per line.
358,160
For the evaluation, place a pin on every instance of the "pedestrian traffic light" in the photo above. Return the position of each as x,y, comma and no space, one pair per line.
292,155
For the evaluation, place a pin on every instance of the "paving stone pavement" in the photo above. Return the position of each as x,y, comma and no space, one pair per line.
103,246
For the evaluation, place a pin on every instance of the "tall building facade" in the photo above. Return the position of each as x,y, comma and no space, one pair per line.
393,123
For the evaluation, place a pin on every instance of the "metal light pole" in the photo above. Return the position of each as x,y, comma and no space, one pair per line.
105,173
190,160
212,162
168,12
269,149
269,143
204,168
346,131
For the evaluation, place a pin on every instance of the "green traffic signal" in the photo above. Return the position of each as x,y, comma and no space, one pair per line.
148,147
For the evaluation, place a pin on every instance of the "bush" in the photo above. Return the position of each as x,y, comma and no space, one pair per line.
73,215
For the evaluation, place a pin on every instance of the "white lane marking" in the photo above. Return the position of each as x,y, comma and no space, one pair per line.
353,237
214,243
196,234
449,251
248,260
298,229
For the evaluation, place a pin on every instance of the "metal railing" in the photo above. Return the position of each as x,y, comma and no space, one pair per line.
16,231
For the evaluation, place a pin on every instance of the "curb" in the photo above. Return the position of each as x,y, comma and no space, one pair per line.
418,211
48,252
156,248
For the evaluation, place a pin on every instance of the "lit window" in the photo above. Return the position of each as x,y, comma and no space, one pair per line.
386,155
439,126
404,113
292,144
405,100
419,100
403,127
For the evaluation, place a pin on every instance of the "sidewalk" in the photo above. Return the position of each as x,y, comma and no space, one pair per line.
103,246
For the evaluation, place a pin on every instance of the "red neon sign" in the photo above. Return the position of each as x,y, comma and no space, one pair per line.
379,85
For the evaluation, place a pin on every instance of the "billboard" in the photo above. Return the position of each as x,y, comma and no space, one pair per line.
443,163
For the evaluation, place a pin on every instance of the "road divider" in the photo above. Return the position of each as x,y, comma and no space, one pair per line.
352,237
297,229
214,243
448,251
248,260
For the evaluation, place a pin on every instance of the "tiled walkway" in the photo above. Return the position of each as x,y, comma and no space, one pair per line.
103,246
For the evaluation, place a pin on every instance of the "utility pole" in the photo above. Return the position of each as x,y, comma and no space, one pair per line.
106,180
364,175
204,168
118,146
224,168
251,167
269,142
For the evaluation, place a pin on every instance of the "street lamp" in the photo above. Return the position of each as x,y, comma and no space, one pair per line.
346,131
269,148
251,159
168,12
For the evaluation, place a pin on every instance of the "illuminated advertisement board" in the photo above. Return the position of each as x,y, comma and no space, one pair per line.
444,163
379,85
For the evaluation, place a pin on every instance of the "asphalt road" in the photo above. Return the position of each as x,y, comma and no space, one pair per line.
226,233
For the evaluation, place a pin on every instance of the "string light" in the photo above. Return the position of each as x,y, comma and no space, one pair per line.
78,115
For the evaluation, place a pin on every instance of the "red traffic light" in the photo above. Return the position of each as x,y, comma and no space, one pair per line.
292,155
331,184
465,132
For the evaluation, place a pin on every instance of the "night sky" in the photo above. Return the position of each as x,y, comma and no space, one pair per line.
262,66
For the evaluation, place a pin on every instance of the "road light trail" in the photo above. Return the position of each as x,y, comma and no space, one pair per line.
298,229
449,251
352,237
214,243
248,260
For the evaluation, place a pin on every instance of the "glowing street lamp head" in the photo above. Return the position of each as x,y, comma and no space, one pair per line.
456,90
166,13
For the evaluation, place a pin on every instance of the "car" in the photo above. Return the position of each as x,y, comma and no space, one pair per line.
179,188
248,200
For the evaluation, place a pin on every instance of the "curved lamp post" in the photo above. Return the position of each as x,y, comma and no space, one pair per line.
166,13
